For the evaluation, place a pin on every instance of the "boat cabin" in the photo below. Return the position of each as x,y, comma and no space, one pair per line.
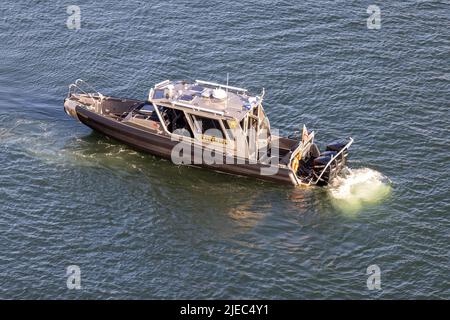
211,113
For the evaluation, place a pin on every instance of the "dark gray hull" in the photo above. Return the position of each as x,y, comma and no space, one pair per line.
161,146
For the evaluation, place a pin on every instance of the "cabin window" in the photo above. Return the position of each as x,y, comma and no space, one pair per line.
148,107
255,111
209,127
175,120
252,123
243,125
154,115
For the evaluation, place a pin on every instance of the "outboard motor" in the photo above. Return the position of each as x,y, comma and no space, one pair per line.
329,153
336,147
329,163
320,162
319,165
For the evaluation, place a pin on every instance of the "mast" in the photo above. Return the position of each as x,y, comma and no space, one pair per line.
226,101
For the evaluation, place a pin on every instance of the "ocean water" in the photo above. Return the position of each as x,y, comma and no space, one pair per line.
141,227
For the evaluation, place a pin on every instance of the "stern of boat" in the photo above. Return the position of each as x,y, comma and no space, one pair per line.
311,166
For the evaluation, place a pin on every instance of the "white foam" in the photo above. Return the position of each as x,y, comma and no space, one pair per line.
357,188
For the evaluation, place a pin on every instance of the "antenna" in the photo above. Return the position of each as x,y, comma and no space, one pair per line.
226,101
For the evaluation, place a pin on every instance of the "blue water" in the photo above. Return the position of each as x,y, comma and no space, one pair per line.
141,227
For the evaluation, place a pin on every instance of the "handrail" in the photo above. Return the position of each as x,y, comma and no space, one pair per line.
78,85
81,81
214,84
162,83
332,159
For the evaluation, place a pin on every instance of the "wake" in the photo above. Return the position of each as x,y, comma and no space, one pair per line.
358,188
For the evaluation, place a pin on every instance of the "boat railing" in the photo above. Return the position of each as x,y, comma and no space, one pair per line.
218,85
162,84
333,158
83,87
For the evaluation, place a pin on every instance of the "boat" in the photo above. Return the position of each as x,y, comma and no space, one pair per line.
211,125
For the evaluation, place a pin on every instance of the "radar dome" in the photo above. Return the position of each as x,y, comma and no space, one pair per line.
219,94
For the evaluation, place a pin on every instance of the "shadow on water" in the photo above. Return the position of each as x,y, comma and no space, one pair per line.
191,190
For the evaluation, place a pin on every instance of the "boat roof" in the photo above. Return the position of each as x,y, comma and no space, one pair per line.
206,98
